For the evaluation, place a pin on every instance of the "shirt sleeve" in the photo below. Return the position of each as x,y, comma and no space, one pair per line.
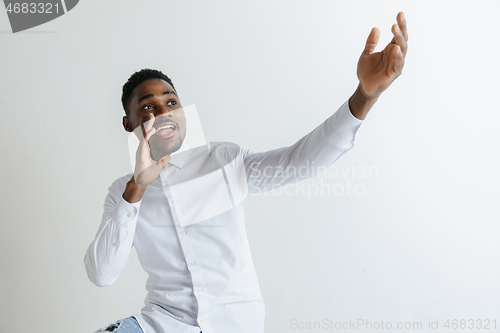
307,158
108,253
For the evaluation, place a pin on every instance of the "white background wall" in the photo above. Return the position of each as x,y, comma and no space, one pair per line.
421,243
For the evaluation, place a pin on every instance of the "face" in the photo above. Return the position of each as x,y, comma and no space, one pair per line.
157,97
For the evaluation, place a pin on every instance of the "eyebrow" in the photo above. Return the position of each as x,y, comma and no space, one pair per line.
151,95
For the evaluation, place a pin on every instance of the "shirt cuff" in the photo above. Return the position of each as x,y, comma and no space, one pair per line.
346,123
125,212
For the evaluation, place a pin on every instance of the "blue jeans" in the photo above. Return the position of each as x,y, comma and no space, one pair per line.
127,325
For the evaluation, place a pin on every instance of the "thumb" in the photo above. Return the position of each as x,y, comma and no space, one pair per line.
164,161
372,41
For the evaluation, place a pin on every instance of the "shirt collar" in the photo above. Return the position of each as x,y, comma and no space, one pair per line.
180,156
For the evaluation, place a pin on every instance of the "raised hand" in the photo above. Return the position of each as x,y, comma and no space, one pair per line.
377,70
146,169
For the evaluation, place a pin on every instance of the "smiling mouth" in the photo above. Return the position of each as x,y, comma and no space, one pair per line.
166,131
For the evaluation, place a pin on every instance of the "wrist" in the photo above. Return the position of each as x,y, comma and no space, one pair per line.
360,104
133,192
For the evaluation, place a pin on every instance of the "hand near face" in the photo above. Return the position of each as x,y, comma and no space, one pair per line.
377,70
146,169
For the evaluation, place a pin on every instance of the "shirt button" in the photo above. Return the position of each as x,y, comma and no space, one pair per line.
173,201
165,181
129,215
115,244
193,264
203,319
183,232
199,290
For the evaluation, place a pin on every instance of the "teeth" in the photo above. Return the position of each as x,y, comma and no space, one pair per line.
166,126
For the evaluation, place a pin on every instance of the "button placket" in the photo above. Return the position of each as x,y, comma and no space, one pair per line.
187,248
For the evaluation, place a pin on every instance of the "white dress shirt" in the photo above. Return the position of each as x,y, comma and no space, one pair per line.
189,230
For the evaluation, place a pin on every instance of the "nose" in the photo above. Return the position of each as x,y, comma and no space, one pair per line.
162,115
163,112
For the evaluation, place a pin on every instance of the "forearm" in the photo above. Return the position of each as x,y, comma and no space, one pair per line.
310,155
360,105
109,251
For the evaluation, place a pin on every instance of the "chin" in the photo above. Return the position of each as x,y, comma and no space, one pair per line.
158,152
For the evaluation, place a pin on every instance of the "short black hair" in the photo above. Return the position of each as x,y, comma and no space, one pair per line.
136,79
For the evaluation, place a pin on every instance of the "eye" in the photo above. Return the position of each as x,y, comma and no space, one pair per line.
172,102
147,107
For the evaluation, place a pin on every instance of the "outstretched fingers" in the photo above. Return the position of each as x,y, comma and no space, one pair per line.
400,42
400,33
402,24
399,38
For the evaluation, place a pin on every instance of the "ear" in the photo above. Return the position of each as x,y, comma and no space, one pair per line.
127,125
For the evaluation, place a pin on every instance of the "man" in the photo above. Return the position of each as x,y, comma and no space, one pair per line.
184,213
